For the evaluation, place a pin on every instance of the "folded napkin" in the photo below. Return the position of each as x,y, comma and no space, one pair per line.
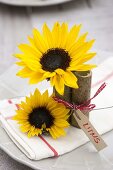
37,148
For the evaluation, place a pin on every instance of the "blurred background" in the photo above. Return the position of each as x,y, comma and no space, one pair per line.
18,17
17,21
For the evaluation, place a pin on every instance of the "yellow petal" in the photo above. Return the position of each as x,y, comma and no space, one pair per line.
25,72
60,71
87,57
52,134
37,132
30,51
59,84
37,93
52,81
61,123
72,36
29,134
21,112
36,78
33,64
21,63
51,104
41,44
60,113
58,131
63,35
32,128
78,43
44,98
25,128
82,49
25,57
82,59
32,42
35,99
19,56
82,38
48,74
48,35
83,67
70,79
26,107
55,35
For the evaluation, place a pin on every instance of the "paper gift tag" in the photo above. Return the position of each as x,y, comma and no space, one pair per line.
89,130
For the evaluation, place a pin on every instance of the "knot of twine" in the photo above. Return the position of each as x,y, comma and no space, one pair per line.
84,106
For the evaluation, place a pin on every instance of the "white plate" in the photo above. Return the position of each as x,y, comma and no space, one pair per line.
82,158
33,2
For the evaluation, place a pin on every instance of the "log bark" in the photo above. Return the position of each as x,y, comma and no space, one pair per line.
82,94
66,96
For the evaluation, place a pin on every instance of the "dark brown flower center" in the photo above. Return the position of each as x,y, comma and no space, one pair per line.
39,116
55,58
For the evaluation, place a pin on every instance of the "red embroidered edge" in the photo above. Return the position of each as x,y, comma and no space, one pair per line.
45,141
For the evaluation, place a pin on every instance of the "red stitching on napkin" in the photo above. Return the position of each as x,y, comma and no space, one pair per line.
11,102
53,150
17,106
103,80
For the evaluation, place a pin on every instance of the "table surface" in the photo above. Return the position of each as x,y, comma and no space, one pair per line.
17,22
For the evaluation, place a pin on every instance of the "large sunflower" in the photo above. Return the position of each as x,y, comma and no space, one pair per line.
54,55
40,113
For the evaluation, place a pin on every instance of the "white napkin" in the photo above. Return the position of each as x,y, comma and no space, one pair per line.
37,148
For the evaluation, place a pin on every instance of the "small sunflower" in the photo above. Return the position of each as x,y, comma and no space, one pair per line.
40,113
54,55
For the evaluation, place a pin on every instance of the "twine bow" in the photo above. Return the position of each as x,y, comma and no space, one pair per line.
84,106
